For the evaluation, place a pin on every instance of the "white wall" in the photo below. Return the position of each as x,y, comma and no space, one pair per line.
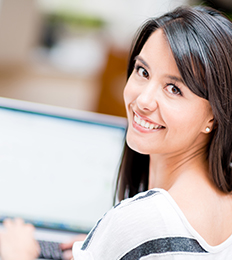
123,16
18,19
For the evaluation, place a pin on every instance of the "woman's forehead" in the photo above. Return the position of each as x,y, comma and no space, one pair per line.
157,53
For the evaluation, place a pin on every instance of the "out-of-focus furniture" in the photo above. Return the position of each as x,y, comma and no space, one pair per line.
112,83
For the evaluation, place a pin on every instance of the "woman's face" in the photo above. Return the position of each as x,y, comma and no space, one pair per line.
164,115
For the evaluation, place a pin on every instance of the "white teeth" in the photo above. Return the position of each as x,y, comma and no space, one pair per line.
143,123
146,124
135,118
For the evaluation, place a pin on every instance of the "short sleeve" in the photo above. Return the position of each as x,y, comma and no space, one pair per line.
120,230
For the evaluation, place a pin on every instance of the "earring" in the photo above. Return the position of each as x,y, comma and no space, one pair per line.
207,129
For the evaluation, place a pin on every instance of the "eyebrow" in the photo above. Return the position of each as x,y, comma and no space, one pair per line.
142,61
178,79
175,78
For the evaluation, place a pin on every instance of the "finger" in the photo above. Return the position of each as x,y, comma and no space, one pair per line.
65,246
67,255
7,222
29,227
19,221
37,249
68,245
12,222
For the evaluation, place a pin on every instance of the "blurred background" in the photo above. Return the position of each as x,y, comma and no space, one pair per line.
73,53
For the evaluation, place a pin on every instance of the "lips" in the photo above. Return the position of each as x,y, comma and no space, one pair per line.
146,124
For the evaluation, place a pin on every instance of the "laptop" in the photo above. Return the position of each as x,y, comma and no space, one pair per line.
58,166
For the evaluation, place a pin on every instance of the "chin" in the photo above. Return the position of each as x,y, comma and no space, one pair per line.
135,147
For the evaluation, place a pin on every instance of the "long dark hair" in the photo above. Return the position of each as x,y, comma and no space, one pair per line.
201,41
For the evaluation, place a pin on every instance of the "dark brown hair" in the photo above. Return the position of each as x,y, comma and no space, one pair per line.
201,41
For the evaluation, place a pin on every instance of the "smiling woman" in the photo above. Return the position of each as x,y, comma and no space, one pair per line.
200,44
175,180
158,105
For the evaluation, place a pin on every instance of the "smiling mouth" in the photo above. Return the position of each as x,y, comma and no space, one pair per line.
146,124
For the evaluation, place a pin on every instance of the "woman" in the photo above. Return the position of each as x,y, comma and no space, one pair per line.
178,99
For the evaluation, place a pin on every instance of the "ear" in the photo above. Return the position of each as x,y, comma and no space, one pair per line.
210,125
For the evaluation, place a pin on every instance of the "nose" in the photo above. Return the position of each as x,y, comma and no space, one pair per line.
147,99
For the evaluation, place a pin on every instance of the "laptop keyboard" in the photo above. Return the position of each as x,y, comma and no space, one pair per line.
49,250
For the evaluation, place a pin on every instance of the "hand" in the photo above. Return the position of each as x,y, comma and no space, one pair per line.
67,247
17,241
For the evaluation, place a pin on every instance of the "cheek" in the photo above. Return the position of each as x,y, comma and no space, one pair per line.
185,122
128,94
179,118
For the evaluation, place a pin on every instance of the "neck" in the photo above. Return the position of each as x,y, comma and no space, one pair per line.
166,170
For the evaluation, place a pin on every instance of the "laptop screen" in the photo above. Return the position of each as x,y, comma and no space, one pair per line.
58,166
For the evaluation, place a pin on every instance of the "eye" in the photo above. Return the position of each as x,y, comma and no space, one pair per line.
172,89
141,72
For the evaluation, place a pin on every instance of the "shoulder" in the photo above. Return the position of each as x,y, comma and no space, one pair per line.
152,202
142,197
141,218
144,206
148,220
